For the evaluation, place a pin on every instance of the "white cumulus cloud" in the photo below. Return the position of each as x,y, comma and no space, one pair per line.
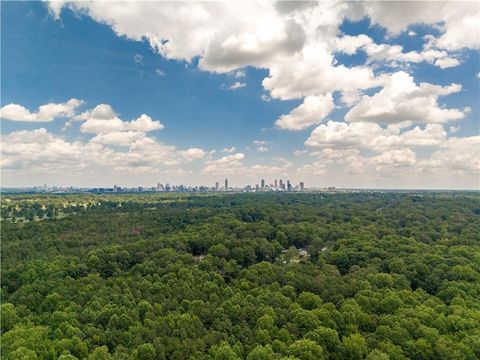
402,100
372,136
110,129
45,113
456,21
312,111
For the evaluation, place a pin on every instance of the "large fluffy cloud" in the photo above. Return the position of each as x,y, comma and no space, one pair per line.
393,54
398,157
457,156
120,138
457,21
349,146
109,129
313,110
40,150
372,136
225,35
228,35
402,100
455,164
45,113
313,71
103,120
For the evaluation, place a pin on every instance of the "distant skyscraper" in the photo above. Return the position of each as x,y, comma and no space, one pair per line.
216,186
226,184
289,185
262,184
302,186
276,183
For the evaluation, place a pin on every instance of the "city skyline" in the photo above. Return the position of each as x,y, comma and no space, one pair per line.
167,186
332,94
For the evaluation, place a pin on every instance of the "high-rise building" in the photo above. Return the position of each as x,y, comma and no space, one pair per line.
302,186
289,185
226,184
262,184
276,183
216,186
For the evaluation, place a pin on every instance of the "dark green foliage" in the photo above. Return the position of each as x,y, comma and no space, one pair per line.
263,276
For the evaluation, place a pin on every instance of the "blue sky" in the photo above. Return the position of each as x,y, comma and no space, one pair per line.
96,54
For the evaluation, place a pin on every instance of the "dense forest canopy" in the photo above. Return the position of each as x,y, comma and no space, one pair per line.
241,276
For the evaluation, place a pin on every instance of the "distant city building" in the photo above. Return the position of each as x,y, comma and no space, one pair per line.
279,186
